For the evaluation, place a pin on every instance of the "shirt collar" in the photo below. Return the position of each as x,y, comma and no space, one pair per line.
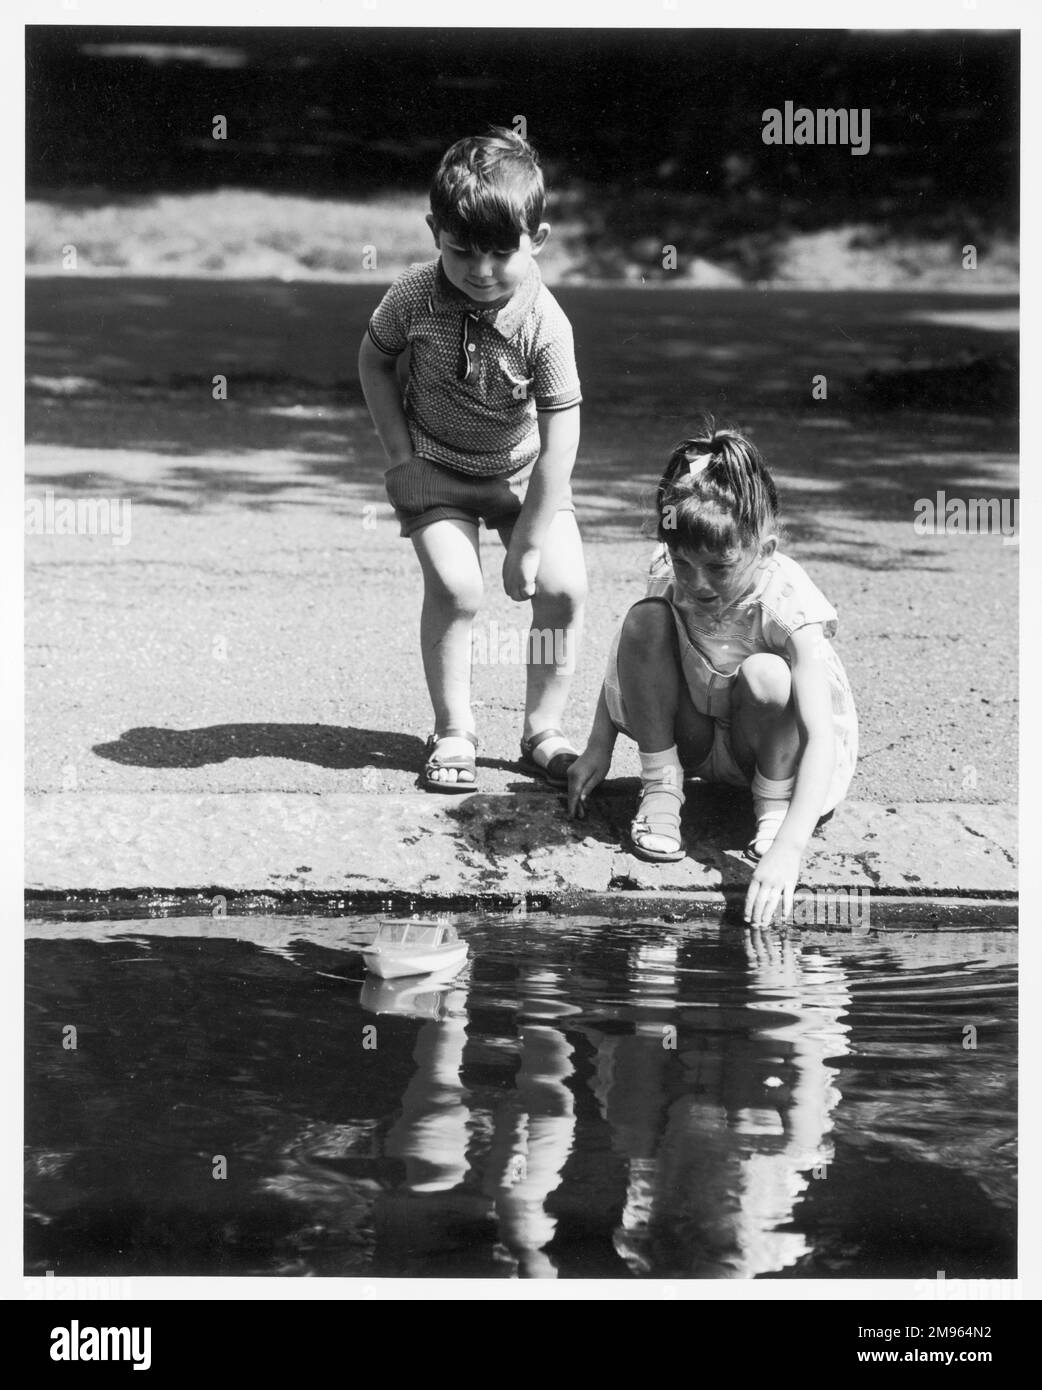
752,596
506,318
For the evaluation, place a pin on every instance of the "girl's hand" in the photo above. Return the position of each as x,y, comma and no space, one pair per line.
588,771
519,573
773,883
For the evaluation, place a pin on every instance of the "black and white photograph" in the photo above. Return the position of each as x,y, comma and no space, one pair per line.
521,657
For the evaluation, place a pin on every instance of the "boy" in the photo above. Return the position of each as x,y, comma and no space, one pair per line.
488,430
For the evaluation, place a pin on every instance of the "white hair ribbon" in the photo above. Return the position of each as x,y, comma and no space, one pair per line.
696,465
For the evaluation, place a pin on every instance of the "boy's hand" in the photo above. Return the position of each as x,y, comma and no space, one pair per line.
773,884
588,771
519,573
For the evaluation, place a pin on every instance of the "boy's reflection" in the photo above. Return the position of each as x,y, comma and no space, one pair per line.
430,1222
534,1129
436,1215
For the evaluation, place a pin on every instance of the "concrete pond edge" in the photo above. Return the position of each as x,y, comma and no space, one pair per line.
829,909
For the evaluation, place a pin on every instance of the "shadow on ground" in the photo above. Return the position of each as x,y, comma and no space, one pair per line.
343,748
324,745
897,423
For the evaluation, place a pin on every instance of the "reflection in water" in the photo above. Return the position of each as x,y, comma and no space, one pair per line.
622,1100
711,1193
629,1083
430,1135
414,1220
531,1135
741,1144
534,1128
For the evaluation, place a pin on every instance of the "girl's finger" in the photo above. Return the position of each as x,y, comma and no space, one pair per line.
768,902
749,898
790,892
756,890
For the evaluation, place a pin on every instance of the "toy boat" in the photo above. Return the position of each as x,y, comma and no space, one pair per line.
414,948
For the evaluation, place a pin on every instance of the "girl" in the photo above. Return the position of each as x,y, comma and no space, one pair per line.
724,672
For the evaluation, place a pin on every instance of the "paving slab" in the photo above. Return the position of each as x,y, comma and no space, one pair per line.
483,844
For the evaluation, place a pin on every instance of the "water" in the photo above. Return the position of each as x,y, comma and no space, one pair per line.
587,1099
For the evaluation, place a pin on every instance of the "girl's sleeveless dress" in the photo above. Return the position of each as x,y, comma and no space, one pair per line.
713,647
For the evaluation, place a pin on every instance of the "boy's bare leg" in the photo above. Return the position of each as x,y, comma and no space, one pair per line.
557,619
452,592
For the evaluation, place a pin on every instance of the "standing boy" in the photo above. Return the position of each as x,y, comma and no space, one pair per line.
488,430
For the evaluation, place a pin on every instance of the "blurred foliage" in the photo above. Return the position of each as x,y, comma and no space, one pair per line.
651,140
645,117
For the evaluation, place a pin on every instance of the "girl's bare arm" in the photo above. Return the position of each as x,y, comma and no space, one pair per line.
775,877
813,702
593,765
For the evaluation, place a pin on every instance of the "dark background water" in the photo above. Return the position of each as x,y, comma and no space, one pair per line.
587,1099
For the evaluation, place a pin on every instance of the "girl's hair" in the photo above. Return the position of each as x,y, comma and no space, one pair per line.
730,501
488,190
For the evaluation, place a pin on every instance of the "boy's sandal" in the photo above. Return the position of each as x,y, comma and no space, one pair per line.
658,816
554,770
461,762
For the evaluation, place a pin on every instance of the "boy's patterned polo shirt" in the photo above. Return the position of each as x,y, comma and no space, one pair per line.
477,374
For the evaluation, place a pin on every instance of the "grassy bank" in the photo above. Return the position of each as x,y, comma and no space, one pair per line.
243,234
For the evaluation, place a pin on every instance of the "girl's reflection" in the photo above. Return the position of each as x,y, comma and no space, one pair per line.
748,1098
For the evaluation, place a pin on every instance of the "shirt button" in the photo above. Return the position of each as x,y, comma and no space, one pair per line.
471,347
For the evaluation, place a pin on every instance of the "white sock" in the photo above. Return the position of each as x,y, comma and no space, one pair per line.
664,768
661,770
544,753
771,799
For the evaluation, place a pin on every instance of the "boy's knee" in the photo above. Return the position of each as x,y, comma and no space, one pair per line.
566,599
765,680
459,596
648,624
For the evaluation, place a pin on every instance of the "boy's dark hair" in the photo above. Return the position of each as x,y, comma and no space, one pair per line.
488,190
731,501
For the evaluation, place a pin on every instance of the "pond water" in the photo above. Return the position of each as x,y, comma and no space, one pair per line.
586,1099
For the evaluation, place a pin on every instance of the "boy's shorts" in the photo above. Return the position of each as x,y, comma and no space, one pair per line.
422,491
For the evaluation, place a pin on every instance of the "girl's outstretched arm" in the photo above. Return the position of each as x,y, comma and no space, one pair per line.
778,871
592,766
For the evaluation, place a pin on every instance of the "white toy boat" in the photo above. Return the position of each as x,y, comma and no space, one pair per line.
414,948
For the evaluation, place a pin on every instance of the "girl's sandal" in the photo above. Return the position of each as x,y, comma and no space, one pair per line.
461,762
767,831
658,815
554,771
768,823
